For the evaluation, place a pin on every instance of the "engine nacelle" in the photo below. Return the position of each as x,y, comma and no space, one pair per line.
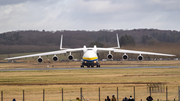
40,59
70,57
55,58
109,56
125,56
140,57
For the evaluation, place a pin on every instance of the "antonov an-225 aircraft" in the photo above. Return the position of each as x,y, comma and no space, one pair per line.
90,58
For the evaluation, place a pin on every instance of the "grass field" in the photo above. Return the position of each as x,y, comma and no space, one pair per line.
73,64
12,83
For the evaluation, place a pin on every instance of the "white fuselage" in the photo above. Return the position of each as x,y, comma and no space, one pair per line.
90,54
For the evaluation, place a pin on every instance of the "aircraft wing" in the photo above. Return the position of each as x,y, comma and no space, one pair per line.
74,50
39,54
128,51
105,49
46,53
140,52
131,51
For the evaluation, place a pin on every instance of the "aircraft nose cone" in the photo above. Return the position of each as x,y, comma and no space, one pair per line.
90,54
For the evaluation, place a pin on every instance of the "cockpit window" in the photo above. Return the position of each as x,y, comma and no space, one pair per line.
89,49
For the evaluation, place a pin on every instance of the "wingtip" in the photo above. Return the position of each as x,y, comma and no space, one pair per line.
172,55
6,59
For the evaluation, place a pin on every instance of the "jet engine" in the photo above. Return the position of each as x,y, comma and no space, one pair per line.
55,58
109,56
125,56
70,57
40,59
140,57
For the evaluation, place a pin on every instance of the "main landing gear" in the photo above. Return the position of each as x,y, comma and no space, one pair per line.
92,66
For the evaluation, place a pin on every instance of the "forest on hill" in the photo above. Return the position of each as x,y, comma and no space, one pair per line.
41,41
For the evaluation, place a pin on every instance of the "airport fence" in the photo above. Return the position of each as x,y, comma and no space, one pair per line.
163,93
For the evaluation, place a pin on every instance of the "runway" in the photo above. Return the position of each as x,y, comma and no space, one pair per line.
133,67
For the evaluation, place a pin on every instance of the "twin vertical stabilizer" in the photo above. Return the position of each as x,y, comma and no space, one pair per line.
95,46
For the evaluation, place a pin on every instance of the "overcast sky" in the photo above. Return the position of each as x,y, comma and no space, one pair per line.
55,15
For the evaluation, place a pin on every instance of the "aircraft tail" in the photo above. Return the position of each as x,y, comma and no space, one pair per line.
118,41
61,42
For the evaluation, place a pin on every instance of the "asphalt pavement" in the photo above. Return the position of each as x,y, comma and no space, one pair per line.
34,69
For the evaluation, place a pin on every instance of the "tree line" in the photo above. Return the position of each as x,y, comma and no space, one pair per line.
30,40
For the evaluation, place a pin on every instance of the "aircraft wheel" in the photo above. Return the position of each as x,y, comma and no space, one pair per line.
92,66
88,66
98,66
82,66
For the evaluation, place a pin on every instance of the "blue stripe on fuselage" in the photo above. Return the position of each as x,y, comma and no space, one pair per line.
90,60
